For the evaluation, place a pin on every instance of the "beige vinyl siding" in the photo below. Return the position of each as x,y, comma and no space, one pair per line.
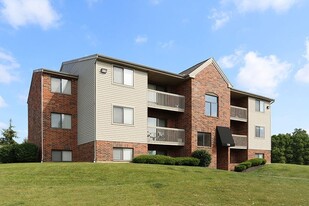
86,98
109,94
259,119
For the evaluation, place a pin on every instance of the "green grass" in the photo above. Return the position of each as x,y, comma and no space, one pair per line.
138,184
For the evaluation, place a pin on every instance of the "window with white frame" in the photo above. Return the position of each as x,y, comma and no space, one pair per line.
123,76
259,131
211,105
259,106
62,121
123,115
60,85
204,139
61,156
122,154
259,155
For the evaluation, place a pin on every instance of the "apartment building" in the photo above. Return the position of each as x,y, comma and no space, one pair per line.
99,109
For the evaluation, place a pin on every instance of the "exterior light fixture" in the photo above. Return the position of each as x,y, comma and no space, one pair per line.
103,70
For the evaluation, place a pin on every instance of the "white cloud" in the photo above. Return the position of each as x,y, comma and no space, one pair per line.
23,12
155,2
262,74
141,39
302,75
2,102
220,18
263,5
167,45
8,66
91,3
232,60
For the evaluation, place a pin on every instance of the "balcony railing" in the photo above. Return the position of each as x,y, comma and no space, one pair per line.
165,136
239,114
241,141
164,100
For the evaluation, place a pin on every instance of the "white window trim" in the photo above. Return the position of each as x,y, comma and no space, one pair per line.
61,87
123,85
122,149
123,106
61,120
211,103
62,155
263,103
263,137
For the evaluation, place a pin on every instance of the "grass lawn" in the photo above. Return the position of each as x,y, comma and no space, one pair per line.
138,184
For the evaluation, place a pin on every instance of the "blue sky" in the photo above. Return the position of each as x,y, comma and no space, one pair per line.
261,45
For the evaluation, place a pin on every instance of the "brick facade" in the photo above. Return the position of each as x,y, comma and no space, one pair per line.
104,149
35,111
267,154
209,81
53,138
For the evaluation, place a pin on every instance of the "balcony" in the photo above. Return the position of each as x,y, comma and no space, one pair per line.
166,136
166,101
239,114
241,141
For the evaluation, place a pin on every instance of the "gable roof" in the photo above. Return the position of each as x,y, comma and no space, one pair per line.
194,70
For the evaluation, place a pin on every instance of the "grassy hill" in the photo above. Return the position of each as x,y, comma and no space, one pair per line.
137,184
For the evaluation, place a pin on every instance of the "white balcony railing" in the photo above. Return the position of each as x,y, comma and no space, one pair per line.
165,136
239,113
241,141
165,100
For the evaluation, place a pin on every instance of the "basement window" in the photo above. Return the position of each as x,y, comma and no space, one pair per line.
61,156
122,154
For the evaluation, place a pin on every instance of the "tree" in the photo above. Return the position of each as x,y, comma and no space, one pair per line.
291,148
8,135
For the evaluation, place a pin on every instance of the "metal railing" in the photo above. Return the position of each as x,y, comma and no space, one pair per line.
239,113
165,100
165,136
241,141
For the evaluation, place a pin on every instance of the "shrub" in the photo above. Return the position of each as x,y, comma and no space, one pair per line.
248,164
264,161
256,161
25,152
203,156
240,168
7,154
188,161
154,159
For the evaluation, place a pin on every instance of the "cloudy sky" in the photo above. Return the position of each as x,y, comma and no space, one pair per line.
261,45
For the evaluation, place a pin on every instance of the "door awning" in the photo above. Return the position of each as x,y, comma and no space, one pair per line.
225,137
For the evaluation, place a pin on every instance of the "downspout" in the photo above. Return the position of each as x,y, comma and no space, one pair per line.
95,115
42,130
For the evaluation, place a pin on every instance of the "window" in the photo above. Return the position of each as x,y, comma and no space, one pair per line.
156,87
61,156
259,155
211,105
259,106
61,85
259,131
61,121
123,76
203,139
123,115
156,122
122,154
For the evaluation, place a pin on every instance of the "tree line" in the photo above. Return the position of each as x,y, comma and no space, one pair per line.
290,148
